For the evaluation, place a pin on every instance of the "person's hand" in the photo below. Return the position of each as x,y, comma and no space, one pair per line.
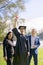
15,21
35,46
16,18
28,54
5,58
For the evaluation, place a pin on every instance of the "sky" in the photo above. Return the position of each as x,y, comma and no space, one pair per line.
33,14
34,8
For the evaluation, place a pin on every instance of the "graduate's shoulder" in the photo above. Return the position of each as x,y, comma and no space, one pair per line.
28,36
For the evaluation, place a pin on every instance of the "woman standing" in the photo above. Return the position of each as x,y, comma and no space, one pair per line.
8,48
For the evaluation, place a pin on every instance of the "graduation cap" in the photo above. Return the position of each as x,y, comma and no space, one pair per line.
24,27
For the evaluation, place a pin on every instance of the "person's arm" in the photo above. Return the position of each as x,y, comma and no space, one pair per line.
4,50
9,42
28,47
27,42
15,31
38,43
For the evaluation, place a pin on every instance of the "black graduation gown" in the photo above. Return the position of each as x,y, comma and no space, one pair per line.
21,49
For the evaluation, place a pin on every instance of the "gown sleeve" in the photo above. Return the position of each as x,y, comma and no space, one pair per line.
15,31
28,46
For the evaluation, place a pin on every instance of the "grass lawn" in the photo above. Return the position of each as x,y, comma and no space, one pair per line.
40,57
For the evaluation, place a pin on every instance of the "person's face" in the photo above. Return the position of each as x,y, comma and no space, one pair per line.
10,36
22,30
34,32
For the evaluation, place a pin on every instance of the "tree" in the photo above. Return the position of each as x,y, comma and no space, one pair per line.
2,0
2,28
8,10
11,8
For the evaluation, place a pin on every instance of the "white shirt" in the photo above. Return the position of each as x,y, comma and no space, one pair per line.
32,41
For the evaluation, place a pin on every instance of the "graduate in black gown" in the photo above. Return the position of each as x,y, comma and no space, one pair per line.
22,47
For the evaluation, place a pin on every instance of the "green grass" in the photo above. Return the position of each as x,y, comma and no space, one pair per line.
2,62
40,57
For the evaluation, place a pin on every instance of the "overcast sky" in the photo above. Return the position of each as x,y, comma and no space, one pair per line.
34,13
34,9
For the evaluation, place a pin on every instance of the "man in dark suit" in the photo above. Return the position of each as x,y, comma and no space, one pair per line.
34,44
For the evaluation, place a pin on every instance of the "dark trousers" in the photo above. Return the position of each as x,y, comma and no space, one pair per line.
32,53
9,61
